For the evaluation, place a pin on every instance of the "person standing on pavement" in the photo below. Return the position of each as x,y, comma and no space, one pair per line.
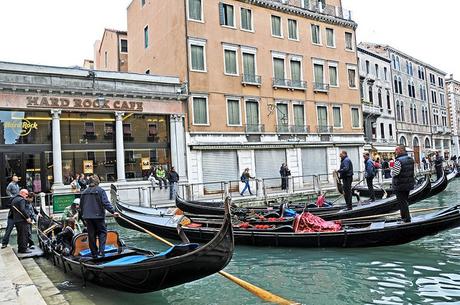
369,174
346,174
245,176
438,160
12,190
93,203
33,214
21,219
403,180
173,178
285,173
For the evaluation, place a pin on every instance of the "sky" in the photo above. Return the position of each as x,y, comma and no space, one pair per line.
62,32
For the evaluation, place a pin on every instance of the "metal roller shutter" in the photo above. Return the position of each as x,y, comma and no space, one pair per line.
314,161
219,165
353,154
268,163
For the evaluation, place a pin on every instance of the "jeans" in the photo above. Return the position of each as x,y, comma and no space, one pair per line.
172,190
370,187
347,191
96,229
246,187
162,181
9,229
402,197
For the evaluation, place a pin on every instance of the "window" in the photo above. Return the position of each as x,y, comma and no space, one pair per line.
123,46
351,78
382,131
299,116
108,129
333,79
146,37
398,64
233,112
355,118
249,67
337,114
385,73
252,113
195,10
278,69
106,59
89,128
246,19
276,26
348,41
432,79
230,62
226,15
390,130
379,97
315,34
305,4
282,115
296,72
371,95
388,101
376,71
322,117
153,130
415,115
142,2
293,30
433,97
197,56
441,99
127,130
200,111
319,74
367,67
330,38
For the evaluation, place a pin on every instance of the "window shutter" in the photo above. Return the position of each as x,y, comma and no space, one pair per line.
221,13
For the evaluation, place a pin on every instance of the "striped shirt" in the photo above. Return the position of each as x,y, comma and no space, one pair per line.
396,169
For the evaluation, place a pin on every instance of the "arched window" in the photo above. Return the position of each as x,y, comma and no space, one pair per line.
400,85
379,96
402,111
427,143
393,61
403,141
411,114
398,65
371,95
398,113
415,142
415,114
388,101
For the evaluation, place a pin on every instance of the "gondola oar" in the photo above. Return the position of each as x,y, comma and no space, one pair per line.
257,291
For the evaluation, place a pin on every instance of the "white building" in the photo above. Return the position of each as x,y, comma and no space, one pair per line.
453,97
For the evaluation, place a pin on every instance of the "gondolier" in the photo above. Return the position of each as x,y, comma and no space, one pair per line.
403,180
369,174
346,174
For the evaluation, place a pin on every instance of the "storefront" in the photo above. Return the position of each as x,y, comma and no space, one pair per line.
119,130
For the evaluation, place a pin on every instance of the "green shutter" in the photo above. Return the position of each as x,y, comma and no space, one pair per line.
230,61
249,64
276,26
194,9
279,68
246,22
282,114
322,116
292,27
233,111
355,117
319,73
200,114
299,116
337,117
197,57
333,76
295,70
252,113
330,37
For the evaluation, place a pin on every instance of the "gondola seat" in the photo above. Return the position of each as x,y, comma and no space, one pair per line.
80,246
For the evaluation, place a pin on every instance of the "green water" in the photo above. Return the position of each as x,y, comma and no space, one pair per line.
422,272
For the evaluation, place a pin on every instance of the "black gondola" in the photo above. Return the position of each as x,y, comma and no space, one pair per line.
439,185
364,234
140,271
328,213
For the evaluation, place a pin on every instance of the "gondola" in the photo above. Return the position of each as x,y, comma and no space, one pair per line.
352,234
135,270
451,175
366,208
439,185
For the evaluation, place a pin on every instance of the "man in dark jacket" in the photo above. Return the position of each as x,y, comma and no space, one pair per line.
93,203
346,174
285,173
369,174
403,180
21,219
173,178
438,160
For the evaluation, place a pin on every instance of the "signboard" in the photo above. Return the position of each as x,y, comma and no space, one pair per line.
145,163
60,202
21,127
88,166
83,103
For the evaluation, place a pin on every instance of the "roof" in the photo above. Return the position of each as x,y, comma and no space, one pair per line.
119,32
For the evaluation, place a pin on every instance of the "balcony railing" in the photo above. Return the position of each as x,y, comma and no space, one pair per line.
292,128
440,129
254,128
324,129
320,87
318,7
371,109
289,84
251,79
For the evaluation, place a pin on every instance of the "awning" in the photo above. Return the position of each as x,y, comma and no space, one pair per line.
389,149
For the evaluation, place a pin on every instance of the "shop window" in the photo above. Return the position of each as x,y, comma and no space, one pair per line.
110,158
129,157
127,132
89,131
153,131
108,130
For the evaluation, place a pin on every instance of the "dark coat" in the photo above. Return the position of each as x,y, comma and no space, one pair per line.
19,203
284,171
405,181
173,176
346,168
369,168
94,202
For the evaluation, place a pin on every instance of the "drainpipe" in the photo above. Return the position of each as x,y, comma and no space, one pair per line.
118,52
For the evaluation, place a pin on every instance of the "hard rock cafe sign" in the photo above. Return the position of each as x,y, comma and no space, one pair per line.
21,127
83,103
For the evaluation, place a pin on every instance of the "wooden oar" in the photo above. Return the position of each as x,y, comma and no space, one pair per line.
257,291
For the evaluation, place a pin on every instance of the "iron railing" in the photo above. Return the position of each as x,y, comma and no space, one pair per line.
254,128
251,79
320,87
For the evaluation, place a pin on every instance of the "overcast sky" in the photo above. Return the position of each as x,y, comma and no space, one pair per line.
62,32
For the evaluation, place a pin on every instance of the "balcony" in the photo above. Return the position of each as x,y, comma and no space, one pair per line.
289,84
254,128
292,129
369,108
321,87
251,79
318,7
324,129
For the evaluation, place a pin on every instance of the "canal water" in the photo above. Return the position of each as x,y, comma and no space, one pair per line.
426,271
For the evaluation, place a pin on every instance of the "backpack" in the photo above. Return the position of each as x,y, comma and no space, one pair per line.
242,178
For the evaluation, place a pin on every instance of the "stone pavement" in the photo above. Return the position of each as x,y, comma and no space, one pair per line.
16,287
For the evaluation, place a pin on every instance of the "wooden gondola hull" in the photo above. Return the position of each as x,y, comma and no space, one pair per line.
153,274
373,236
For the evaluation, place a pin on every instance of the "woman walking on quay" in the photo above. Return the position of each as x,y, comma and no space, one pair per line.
245,176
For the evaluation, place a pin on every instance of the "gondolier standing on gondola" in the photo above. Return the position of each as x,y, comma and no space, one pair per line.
403,180
369,174
346,174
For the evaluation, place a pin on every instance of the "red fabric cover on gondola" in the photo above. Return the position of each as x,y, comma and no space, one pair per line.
307,222
194,225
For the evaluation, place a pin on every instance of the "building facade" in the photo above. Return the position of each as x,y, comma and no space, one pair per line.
57,122
378,106
268,81
453,98
421,119
111,52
